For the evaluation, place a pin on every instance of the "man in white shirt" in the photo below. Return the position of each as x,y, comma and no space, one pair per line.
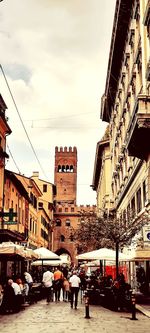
74,282
15,286
18,296
47,280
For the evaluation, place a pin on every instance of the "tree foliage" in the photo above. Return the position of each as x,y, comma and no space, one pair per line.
107,231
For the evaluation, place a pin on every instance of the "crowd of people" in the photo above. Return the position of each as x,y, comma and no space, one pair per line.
57,282
14,293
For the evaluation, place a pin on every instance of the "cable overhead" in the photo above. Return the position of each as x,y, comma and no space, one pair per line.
22,121
65,116
13,159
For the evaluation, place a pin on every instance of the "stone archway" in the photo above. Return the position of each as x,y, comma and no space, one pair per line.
62,251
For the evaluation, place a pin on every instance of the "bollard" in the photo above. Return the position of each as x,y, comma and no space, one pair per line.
86,300
133,307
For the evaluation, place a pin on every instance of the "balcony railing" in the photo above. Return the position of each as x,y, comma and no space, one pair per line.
139,129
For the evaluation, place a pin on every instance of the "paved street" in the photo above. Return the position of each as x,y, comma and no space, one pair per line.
60,318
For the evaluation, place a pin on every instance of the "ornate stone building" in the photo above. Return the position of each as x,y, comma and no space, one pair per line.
125,105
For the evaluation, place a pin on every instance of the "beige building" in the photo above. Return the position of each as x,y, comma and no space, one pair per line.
101,176
16,202
28,211
125,105
46,208
4,131
34,226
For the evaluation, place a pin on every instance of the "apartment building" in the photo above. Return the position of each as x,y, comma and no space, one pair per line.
45,209
101,176
125,106
4,131
16,205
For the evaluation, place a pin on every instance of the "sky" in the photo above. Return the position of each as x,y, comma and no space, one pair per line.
54,56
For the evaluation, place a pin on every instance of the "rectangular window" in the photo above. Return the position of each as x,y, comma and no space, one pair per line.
23,217
44,187
40,204
138,200
133,206
30,223
128,213
72,209
144,193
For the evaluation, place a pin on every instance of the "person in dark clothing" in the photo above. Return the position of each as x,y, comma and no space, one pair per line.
8,302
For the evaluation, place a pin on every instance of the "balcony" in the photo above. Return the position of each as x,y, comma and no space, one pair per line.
139,129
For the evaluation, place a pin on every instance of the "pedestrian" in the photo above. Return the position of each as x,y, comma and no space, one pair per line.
58,283
47,280
66,290
74,282
28,279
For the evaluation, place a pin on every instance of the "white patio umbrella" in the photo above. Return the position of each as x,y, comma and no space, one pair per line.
47,262
46,254
102,254
10,248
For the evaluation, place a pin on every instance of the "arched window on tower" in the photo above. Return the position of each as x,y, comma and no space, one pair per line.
71,238
71,168
62,238
67,223
63,168
67,168
58,223
59,168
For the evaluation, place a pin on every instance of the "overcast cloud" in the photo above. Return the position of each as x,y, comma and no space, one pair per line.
54,54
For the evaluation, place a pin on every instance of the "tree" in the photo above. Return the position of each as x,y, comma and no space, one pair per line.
109,230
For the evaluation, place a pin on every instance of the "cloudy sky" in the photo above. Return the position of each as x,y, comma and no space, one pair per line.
54,54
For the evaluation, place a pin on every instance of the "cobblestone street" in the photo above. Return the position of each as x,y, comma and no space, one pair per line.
60,318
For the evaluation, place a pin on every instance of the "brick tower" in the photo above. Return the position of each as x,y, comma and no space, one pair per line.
65,175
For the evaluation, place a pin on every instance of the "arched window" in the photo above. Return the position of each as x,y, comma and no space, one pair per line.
58,223
67,168
67,223
71,168
63,168
62,238
71,238
59,168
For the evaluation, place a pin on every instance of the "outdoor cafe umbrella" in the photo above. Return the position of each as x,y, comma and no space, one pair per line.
45,262
102,254
10,248
46,254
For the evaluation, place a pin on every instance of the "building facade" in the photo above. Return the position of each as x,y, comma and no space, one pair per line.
46,207
4,131
101,176
125,105
67,214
